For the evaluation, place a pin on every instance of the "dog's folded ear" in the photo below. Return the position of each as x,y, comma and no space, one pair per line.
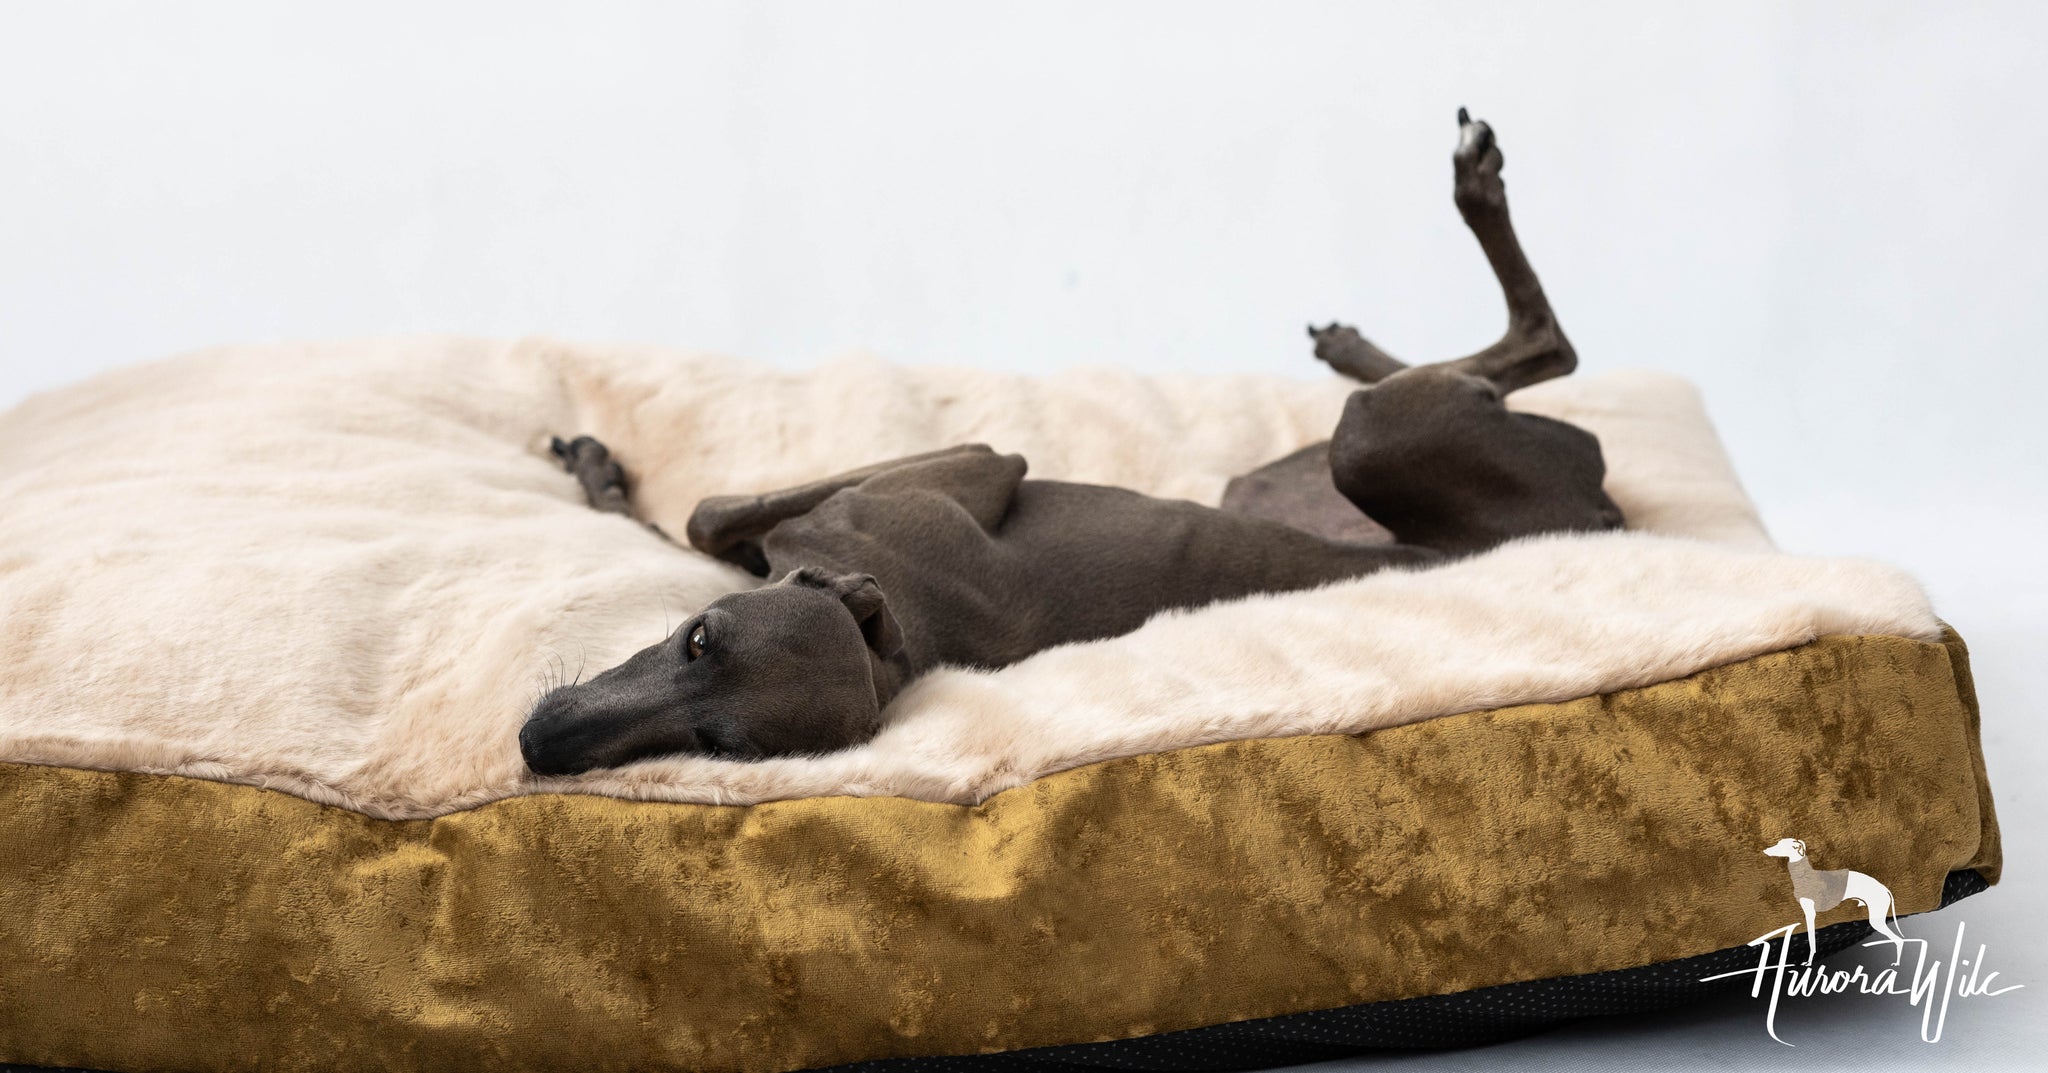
864,599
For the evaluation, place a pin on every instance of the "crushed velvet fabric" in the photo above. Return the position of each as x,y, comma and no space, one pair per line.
155,921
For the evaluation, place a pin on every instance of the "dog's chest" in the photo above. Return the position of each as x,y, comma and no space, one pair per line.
946,579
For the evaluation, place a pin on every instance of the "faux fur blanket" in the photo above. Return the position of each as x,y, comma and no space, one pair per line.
346,571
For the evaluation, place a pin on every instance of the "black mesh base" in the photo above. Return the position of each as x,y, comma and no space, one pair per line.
1464,1019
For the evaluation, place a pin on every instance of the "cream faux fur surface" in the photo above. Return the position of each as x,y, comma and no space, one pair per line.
345,571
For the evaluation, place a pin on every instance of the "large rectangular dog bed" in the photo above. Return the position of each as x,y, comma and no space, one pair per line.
273,617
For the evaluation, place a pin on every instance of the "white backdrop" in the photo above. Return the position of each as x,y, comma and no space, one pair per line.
1826,215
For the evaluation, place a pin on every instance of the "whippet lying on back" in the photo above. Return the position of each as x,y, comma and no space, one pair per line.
953,557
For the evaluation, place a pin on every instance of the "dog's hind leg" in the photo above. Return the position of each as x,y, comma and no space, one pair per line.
1877,901
1340,347
1530,475
1534,347
1433,454
1296,490
1884,923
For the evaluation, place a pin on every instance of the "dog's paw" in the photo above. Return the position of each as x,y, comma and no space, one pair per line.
1340,347
1333,338
579,452
591,463
1477,162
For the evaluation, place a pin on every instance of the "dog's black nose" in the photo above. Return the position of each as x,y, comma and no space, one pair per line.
541,738
533,749
528,742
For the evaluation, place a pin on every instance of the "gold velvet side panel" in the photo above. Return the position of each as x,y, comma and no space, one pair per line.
167,923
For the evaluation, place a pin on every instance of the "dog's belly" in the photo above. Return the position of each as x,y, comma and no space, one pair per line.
1297,491
1068,563
1088,562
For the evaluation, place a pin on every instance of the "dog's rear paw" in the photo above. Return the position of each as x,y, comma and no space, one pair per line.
1477,163
1333,336
1475,137
1340,347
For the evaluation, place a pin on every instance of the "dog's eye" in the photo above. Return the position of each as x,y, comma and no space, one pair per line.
696,643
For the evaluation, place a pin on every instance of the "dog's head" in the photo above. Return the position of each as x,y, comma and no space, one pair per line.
1789,848
789,668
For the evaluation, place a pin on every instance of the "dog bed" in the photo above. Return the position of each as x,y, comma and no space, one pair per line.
274,615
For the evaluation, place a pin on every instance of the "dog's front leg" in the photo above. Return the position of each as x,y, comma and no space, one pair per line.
732,527
592,464
602,478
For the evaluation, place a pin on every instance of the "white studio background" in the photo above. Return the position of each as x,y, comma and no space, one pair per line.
1828,215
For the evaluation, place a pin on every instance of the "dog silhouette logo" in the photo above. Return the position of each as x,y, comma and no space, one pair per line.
1819,891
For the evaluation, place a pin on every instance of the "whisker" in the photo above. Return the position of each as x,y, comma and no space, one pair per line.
540,692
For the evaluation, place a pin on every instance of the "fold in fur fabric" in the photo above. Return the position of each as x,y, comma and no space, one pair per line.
345,571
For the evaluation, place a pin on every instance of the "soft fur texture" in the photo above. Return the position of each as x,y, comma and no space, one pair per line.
345,571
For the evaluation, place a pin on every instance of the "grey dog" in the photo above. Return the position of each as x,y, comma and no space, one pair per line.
954,558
